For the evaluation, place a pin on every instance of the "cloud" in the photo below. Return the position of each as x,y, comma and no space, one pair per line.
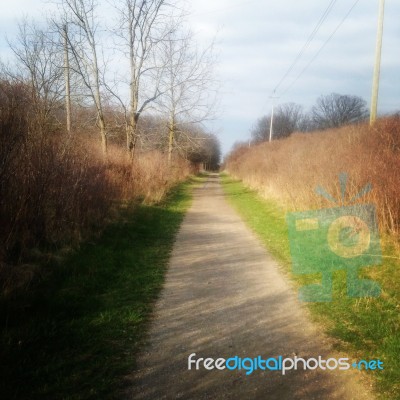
258,40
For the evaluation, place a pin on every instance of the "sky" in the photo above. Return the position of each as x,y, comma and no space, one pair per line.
258,40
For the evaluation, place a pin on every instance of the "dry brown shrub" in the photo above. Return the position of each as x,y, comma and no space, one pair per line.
57,189
288,170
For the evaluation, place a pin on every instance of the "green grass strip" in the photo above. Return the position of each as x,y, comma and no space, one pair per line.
76,334
367,328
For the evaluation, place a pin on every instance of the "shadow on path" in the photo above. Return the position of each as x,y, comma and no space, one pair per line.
224,296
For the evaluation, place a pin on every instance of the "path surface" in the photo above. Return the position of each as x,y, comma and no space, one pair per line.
224,296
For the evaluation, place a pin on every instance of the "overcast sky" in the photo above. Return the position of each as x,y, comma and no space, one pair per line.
257,41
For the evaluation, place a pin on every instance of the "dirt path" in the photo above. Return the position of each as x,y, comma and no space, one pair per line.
224,296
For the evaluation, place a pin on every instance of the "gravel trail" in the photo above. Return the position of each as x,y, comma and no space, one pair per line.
225,296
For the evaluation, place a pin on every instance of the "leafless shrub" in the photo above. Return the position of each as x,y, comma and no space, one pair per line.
56,189
289,170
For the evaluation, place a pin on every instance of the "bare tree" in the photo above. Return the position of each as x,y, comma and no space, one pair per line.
67,77
306,123
82,37
188,83
200,147
335,110
39,65
212,152
260,131
288,118
143,25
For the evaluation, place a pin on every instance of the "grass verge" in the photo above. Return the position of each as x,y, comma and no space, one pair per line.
364,328
75,334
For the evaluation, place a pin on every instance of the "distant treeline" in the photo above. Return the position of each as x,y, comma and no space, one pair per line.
330,111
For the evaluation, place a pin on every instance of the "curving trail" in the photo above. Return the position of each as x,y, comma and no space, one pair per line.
224,296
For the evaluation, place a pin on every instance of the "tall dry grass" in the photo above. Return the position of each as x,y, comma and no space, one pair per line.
148,177
55,189
289,170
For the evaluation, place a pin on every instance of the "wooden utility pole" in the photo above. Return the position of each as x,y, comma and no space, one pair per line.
271,126
67,79
377,68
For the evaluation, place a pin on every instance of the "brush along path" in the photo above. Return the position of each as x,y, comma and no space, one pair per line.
224,296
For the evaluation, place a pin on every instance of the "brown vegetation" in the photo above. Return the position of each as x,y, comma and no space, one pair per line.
58,184
289,170
56,189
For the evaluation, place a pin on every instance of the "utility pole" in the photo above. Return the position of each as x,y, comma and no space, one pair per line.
67,79
271,127
377,68
272,123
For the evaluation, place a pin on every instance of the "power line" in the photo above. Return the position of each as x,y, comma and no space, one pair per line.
321,48
308,41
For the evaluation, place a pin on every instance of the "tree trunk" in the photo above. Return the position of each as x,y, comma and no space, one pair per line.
128,135
132,135
171,138
103,134
67,80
